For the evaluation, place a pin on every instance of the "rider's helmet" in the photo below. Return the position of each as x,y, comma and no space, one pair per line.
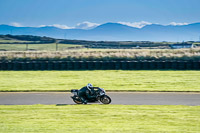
89,86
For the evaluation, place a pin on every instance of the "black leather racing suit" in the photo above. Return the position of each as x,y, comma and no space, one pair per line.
84,93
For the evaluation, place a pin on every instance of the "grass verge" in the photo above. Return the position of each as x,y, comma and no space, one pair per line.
99,118
47,51
113,80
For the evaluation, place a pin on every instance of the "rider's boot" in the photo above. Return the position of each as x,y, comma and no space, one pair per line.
83,100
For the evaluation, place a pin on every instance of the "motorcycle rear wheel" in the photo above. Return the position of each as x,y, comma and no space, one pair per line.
105,99
77,101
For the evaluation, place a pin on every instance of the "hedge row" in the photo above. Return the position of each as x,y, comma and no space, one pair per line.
98,65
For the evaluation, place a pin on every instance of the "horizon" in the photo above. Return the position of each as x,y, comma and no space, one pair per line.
87,14
139,26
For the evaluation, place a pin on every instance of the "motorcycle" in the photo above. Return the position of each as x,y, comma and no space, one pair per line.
100,97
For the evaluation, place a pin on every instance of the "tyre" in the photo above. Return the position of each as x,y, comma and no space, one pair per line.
77,101
105,99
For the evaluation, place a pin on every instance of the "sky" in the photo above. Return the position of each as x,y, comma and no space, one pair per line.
85,14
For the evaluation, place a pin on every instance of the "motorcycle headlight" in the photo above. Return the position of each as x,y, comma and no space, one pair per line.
102,93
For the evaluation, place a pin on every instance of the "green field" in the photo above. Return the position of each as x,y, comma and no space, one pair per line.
99,118
37,47
107,79
12,41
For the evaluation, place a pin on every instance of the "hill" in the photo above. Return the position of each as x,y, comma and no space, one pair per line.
113,32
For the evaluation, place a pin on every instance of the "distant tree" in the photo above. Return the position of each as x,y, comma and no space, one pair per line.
43,39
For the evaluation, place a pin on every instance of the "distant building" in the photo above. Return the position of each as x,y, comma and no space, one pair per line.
181,45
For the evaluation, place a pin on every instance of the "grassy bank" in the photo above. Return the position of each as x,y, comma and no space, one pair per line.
99,54
99,118
109,80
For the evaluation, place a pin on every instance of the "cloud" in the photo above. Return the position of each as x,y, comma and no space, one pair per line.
144,23
136,24
89,25
54,25
86,25
175,23
16,24
62,26
58,26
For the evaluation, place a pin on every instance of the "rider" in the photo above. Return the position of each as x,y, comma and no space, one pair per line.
87,92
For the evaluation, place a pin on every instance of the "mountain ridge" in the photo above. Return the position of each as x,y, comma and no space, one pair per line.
113,32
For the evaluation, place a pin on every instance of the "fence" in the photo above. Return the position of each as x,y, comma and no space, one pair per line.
97,65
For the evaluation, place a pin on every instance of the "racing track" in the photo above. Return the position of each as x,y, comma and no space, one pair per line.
126,98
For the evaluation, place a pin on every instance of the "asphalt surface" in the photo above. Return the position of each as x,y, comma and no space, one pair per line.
125,98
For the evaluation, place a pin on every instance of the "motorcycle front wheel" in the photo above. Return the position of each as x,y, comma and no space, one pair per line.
105,99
